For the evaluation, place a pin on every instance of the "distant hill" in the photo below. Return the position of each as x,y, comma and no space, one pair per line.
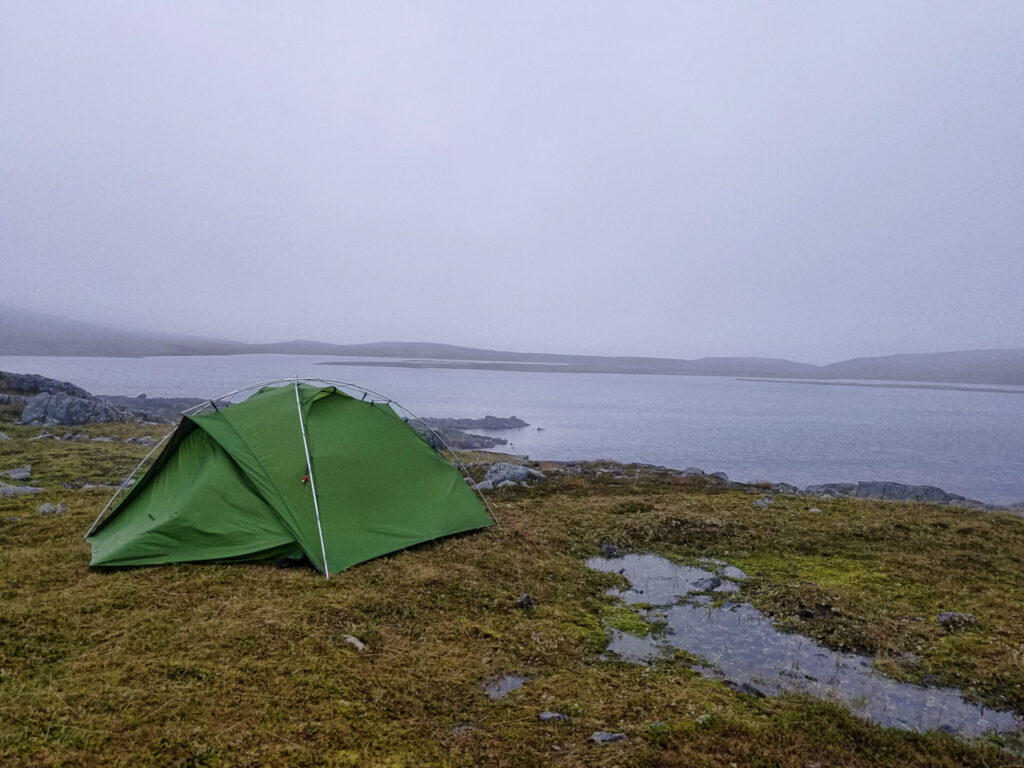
983,366
33,333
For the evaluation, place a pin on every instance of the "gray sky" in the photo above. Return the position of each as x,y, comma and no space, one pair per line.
813,180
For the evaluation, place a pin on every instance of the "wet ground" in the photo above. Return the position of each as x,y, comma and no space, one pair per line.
740,645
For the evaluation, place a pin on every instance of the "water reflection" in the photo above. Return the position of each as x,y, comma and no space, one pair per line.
740,645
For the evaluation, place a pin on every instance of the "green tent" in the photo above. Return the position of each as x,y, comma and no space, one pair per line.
294,470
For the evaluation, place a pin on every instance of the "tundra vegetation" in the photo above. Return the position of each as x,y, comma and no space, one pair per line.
251,665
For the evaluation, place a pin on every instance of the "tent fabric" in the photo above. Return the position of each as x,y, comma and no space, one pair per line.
233,485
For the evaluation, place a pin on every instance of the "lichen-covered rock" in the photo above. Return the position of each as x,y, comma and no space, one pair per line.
51,509
67,409
503,472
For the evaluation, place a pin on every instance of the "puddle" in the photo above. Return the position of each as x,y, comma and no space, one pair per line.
500,685
741,645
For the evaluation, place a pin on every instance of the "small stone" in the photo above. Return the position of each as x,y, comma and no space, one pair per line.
355,642
19,473
525,602
707,584
50,509
484,485
463,729
954,619
815,510
12,519
763,503
610,550
546,717
705,718
606,737
507,483
3,436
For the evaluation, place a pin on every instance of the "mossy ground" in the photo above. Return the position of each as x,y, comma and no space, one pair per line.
227,665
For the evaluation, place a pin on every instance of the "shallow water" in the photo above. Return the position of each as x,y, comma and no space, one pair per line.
741,645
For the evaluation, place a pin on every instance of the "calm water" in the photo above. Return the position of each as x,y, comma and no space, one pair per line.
966,442
738,643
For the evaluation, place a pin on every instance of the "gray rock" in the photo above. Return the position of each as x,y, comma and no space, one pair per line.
707,584
50,509
547,717
463,729
3,436
507,483
889,491
720,476
606,737
10,491
815,510
19,473
355,642
484,485
74,436
501,472
692,472
147,440
763,503
525,602
67,409
792,490
105,439
12,519
956,620
487,422
610,550
706,717
34,384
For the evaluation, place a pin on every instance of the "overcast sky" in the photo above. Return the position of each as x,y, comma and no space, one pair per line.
812,180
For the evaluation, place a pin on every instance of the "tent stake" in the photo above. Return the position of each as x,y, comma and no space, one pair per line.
312,484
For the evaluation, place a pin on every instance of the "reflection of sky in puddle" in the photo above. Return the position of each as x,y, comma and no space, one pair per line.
741,645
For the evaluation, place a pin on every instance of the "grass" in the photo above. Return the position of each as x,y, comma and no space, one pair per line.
247,665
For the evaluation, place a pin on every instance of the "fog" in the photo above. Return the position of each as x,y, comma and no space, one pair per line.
813,181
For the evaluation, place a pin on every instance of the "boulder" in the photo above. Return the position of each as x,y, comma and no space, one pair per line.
34,384
67,409
720,476
503,472
692,472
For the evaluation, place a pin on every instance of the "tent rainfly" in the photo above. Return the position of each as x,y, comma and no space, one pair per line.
296,470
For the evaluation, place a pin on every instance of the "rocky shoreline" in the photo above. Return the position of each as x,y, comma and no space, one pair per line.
48,402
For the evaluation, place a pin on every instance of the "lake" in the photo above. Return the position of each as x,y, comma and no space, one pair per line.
970,443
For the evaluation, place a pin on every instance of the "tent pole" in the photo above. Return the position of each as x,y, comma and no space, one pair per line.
312,484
